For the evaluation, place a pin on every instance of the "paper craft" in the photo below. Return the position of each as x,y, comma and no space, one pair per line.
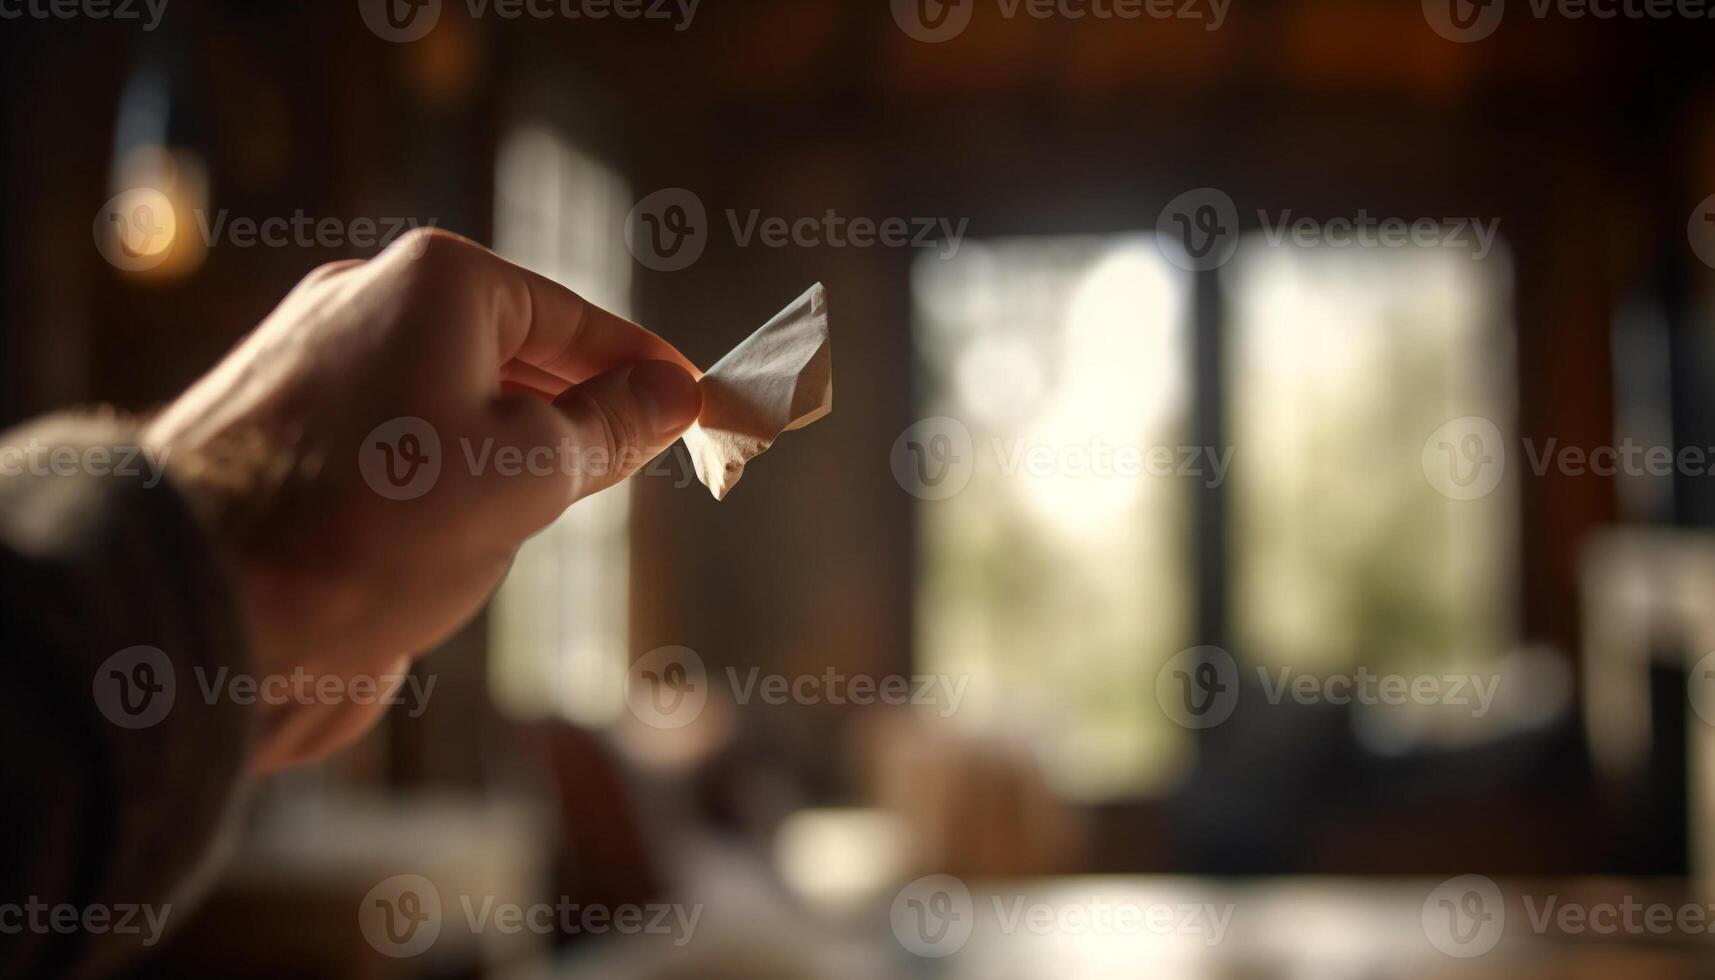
780,378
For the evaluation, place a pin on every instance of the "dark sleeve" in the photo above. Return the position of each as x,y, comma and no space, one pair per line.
117,769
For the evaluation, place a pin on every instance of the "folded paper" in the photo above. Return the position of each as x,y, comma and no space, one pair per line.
780,378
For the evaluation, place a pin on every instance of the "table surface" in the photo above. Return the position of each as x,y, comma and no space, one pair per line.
1186,928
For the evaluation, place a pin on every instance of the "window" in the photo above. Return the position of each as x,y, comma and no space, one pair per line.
560,628
1342,363
1059,584
1053,581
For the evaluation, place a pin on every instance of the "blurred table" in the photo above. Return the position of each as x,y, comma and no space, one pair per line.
1073,928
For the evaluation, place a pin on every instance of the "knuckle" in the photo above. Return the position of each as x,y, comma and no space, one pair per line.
610,437
322,273
620,433
432,267
435,249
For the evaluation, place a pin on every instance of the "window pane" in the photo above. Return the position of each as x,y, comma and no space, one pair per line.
1057,579
560,623
1343,365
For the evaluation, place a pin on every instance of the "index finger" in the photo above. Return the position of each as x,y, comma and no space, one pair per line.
547,327
572,338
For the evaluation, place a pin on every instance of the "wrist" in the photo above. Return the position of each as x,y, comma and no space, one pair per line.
231,481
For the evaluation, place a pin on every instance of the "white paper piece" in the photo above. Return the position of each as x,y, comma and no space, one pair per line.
780,378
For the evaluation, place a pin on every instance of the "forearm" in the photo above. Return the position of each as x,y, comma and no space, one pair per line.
115,612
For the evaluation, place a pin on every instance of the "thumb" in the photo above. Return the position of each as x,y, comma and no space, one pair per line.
622,419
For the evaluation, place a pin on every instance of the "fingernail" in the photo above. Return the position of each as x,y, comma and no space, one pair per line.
669,396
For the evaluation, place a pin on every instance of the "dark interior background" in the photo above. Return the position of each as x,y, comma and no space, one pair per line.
1590,141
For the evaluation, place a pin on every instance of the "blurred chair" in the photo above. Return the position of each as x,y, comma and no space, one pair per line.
289,902
977,805
1649,624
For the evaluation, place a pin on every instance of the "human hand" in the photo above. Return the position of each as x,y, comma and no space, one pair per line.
333,577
